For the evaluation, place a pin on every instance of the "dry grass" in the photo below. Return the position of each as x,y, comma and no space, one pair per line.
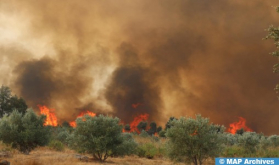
144,140
45,156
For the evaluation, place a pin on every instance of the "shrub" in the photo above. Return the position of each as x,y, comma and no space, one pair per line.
24,132
56,145
142,126
169,123
194,140
152,128
100,136
155,138
274,140
233,151
162,133
128,147
162,150
60,134
249,141
159,129
127,128
240,131
143,134
230,139
147,150
264,143
9,102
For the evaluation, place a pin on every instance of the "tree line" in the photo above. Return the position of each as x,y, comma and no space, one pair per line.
189,140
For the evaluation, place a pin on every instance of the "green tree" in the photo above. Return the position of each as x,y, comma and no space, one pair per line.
66,124
128,147
9,102
169,123
274,140
249,141
142,126
162,133
60,133
240,131
24,132
127,128
152,128
159,129
100,136
194,140
273,33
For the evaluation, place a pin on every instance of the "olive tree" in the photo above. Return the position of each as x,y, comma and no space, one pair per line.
194,140
9,102
24,132
249,141
100,136
273,140
273,33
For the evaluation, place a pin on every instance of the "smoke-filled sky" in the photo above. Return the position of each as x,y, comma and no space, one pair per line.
171,58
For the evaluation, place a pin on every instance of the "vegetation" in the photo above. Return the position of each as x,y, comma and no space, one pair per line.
56,145
152,128
127,128
188,139
100,136
142,126
147,150
194,140
273,33
128,146
169,123
9,102
61,133
24,132
184,139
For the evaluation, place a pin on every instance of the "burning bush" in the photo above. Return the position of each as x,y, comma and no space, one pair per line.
24,132
100,136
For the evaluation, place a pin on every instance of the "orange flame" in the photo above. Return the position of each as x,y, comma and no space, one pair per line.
238,125
50,115
136,121
74,124
136,105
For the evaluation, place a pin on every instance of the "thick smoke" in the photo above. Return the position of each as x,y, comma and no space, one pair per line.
131,90
170,58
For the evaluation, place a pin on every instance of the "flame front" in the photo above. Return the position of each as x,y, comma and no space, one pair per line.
136,121
74,124
238,125
51,118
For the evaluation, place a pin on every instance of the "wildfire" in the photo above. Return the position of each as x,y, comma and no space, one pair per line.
74,124
136,105
238,125
136,121
51,119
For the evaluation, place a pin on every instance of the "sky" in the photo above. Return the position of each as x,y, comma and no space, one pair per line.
171,58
